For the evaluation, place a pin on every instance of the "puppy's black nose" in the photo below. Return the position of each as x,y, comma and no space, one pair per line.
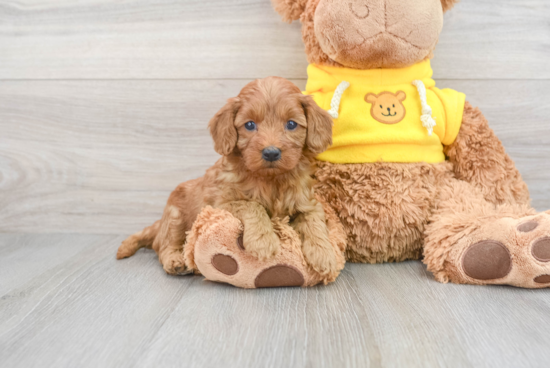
271,154
389,110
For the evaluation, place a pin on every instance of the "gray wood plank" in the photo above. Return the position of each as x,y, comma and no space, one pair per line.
421,320
216,39
103,156
23,256
91,310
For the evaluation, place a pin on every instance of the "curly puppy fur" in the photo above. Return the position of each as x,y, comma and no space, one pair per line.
248,184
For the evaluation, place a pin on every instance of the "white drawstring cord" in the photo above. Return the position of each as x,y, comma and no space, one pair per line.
428,121
335,103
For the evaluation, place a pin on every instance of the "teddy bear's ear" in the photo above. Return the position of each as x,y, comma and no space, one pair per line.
448,4
371,98
401,96
289,10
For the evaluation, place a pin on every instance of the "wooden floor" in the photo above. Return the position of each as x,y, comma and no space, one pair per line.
66,302
103,111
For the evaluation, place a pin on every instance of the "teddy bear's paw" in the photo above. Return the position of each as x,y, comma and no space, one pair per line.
233,265
217,248
508,251
219,255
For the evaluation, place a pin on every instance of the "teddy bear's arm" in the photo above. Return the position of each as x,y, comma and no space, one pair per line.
479,158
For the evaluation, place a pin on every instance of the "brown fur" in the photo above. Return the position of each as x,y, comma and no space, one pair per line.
384,207
252,189
290,10
448,4
479,158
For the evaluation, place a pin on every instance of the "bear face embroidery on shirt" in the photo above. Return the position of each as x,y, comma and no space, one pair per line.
387,108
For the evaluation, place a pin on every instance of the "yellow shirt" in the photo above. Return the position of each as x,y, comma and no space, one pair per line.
380,114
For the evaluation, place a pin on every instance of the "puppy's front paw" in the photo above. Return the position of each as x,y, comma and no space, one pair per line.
320,256
174,264
261,245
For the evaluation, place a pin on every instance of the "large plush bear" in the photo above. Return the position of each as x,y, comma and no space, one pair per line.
414,171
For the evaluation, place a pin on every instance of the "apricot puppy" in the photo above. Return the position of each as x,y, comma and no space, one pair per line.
268,136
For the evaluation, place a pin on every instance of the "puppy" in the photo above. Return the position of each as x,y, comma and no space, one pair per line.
268,136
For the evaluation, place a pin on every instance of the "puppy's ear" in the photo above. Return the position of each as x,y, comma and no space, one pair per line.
448,4
222,127
319,126
289,10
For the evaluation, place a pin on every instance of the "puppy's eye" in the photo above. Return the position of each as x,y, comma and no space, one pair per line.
381,107
291,125
250,126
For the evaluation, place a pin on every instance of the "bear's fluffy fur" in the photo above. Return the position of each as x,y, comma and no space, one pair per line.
398,211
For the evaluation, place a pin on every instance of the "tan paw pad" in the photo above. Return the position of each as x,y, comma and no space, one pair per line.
487,260
225,264
279,276
541,249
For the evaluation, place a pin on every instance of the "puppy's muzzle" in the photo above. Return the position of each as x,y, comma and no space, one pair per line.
271,154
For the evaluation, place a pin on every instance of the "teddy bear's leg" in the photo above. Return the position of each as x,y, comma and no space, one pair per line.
383,207
215,249
478,157
472,241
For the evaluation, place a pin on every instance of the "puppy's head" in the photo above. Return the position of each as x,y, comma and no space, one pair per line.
271,126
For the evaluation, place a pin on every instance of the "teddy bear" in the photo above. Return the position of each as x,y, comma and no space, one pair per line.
414,172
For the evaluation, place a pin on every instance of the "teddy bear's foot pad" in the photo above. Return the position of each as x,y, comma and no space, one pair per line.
508,251
541,249
225,264
215,249
487,260
275,276
279,275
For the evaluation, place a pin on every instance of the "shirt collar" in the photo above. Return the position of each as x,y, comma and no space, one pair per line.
322,77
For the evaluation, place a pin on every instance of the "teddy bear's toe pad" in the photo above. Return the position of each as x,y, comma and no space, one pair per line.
225,264
541,249
528,226
543,279
487,260
278,276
